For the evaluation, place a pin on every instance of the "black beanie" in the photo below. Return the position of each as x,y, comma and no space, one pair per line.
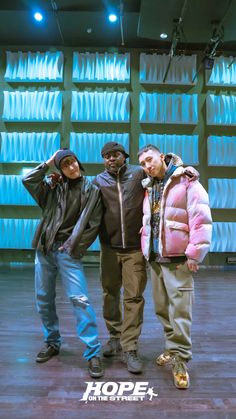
65,152
113,146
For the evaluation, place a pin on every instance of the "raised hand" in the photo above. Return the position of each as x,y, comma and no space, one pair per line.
50,161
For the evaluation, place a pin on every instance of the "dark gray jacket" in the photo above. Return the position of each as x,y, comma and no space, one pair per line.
122,197
53,204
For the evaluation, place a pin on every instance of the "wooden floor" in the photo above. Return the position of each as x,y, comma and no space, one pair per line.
53,390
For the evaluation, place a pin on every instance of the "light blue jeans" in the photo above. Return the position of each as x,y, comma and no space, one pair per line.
71,272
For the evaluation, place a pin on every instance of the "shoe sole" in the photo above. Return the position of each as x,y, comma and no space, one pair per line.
133,371
42,360
96,374
181,388
109,355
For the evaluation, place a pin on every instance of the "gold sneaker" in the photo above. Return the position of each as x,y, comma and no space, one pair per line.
180,373
164,358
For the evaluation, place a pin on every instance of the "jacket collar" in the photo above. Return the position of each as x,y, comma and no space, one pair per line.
189,171
121,170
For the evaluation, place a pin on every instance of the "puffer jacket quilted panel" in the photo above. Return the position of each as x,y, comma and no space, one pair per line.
185,217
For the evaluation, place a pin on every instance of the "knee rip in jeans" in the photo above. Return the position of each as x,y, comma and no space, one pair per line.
79,300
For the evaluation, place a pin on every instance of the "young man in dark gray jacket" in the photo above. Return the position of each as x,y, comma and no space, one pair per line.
71,218
122,262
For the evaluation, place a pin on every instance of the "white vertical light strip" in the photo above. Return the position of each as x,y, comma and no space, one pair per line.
223,72
221,151
34,66
222,193
152,108
223,237
17,233
221,110
28,146
185,146
12,191
101,67
100,107
32,106
153,68
168,109
87,146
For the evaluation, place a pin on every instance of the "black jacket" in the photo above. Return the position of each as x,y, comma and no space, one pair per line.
122,197
53,204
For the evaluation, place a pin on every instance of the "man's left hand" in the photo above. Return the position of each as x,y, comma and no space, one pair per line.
192,265
54,179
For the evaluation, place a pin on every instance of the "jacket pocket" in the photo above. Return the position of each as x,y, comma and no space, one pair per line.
183,289
176,225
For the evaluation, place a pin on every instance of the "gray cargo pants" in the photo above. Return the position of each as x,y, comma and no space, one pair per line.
173,293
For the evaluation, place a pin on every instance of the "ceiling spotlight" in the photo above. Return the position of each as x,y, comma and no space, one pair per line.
163,35
112,17
38,16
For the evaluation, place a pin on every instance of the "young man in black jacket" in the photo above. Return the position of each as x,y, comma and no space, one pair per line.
71,218
122,262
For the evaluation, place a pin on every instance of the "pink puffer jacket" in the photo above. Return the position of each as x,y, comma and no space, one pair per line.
185,217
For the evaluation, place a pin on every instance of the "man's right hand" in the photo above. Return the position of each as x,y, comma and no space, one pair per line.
192,265
50,161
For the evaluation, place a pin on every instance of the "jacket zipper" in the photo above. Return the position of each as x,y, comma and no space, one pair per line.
121,212
162,216
62,207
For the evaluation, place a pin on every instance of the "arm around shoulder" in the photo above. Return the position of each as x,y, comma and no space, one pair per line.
200,222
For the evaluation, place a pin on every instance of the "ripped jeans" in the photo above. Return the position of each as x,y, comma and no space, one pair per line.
71,272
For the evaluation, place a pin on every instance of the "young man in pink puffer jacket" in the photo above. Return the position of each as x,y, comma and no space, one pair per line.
176,236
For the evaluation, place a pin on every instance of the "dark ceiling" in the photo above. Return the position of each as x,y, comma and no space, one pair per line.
189,24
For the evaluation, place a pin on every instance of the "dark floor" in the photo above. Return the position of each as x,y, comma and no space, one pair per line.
53,390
